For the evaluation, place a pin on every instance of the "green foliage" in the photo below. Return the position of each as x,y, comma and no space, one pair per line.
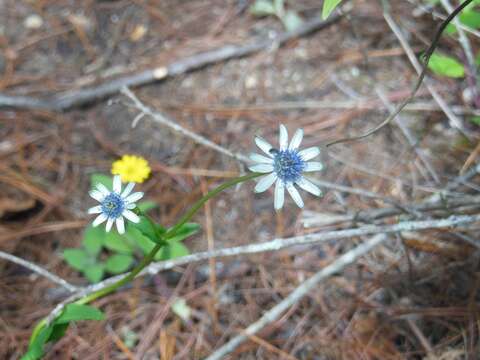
53,332
77,258
173,250
118,263
101,179
446,66
185,231
328,7
469,18
475,120
290,18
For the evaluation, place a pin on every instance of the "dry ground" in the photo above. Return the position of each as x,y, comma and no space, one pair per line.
414,298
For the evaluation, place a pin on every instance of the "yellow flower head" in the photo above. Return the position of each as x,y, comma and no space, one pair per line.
131,168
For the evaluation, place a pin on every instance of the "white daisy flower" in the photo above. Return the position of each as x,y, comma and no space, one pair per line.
285,167
115,205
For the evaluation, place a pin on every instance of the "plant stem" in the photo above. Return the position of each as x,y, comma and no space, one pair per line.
150,256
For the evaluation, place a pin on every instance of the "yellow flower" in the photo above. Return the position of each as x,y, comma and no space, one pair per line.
131,168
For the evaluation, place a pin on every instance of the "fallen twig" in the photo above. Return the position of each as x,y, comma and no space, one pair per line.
74,98
40,271
274,245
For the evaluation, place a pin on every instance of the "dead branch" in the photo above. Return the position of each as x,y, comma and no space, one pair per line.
75,98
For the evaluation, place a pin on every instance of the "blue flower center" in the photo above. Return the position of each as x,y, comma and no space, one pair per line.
288,165
113,205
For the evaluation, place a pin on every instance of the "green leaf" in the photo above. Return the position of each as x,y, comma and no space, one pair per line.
35,348
475,120
291,20
93,238
118,243
185,231
94,273
58,331
145,206
468,18
101,179
328,7
262,8
147,228
77,258
446,66
76,312
134,235
181,309
118,263
172,251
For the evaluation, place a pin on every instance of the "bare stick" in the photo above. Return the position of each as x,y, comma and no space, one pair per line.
274,313
162,119
423,71
40,271
275,245
69,99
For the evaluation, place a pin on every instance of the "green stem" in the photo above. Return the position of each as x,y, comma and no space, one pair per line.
189,214
150,256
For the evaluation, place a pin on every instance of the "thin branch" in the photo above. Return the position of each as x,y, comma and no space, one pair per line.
275,312
40,271
164,120
421,69
275,245
74,98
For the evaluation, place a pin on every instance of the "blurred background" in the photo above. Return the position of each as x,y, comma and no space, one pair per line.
64,119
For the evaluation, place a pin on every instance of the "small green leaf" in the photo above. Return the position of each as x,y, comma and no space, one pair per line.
172,251
262,8
77,258
475,120
446,66
468,18
181,309
147,228
35,348
101,179
76,312
291,20
93,238
135,236
58,331
118,263
328,7
145,206
185,231
118,243
94,273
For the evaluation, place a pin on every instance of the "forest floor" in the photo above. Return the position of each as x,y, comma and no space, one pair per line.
413,297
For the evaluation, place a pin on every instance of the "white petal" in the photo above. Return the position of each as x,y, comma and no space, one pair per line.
309,153
109,225
279,197
283,138
130,206
97,195
313,166
99,219
95,210
120,225
296,140
134,197
103,189
265,182
131,216
308,186
295,194
261,159
117,184
261,168
128,189
264,145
